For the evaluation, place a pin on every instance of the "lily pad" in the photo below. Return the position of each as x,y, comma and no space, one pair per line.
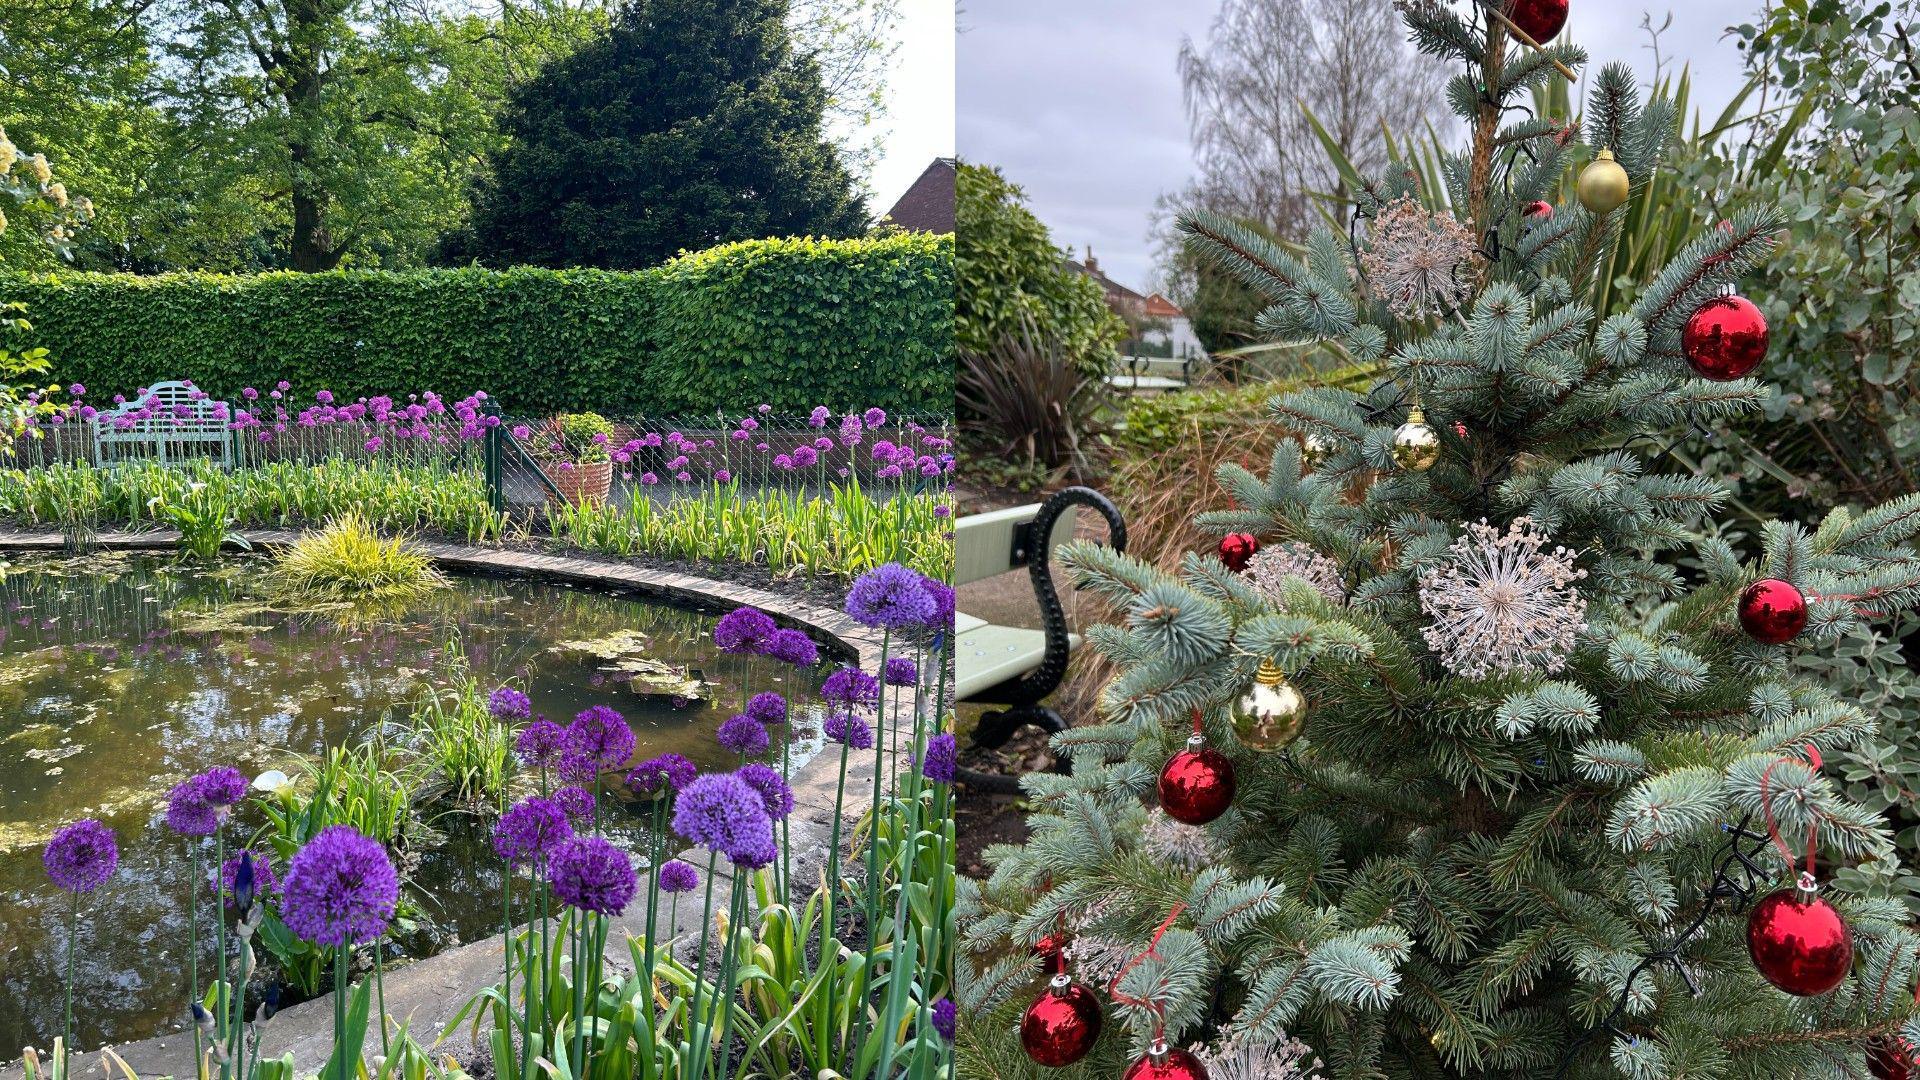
614,646
658,679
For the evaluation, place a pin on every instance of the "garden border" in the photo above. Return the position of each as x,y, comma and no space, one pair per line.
428,992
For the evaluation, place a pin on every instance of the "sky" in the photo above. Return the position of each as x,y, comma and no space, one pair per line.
1078,101
920,110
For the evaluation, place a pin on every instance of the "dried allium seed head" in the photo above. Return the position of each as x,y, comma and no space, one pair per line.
1502,603
1271,568
1418,263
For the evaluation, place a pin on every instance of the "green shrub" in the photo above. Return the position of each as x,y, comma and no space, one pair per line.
793,323
350,561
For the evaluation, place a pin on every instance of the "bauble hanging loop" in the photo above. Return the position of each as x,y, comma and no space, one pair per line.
1062,1025
1798,941
1051,951
1726,339
1416,446
1163,1062
1197,784
1603,186
1772,611
1272,713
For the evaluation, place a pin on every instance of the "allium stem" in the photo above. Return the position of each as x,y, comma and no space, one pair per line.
340,1070
728,969
506,951
700,966
193,947
833,876
223,1021
880,766
73,948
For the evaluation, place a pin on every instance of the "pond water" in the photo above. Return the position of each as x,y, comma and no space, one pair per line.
122,674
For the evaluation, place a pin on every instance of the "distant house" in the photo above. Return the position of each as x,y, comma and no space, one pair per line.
1160,328
928,204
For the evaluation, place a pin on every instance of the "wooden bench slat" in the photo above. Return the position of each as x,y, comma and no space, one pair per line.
987,655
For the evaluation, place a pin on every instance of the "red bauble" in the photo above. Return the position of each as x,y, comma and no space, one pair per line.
1052,951
1062,1025
1772,611
1237,548
1725,339
1541,19
1799,941
1166,1063
1891,1058
1540,209
1197,784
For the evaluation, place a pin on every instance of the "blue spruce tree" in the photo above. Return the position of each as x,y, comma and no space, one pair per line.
1517,745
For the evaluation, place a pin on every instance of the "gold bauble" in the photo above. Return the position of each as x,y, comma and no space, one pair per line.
1416,445
1314,449
1603,185
1270,715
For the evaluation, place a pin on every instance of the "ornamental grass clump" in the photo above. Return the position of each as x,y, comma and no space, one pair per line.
349,561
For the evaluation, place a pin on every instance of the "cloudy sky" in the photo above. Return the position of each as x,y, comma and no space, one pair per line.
1078,101
919,122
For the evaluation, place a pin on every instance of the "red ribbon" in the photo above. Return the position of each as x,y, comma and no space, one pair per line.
1153,946
1766,807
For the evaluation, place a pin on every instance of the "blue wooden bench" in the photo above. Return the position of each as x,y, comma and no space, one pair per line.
184,426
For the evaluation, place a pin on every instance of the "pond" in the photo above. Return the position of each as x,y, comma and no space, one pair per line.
122,674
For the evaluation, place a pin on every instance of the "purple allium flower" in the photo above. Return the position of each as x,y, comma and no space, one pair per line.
265,882
851,687
601,736
945,1018
891,596
742,734
875,418
743,630
844,727
81,856
590,874
540,743
902,671
575,768
772,787
768,708
575,801
678,877
939,764
793,647
506,703
723,812
943,603
222,785
340,889
672,770
722,475
530,830
818,418
188,812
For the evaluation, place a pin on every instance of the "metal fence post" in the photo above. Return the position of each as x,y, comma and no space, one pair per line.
491,455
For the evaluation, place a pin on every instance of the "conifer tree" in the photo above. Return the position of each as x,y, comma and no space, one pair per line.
1554,752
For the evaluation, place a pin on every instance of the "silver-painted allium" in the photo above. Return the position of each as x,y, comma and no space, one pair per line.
1503,603
1418,263
1274,564
1188,847
1243,1058
1098,959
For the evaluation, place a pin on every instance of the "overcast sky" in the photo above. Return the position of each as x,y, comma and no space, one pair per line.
919,122
1078,101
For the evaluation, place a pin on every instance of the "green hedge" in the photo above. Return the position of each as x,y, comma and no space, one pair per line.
793,323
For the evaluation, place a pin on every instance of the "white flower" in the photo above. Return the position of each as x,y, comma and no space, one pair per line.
1419,263
1241,1058
1502,603
9,154
58,193
1271,568
42,172
1185,846
272,781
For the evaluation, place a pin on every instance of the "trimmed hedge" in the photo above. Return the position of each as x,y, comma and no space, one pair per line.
793,323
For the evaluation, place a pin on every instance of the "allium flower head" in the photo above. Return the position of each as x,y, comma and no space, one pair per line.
678,877
902,671
743,630
851,687
1418,263
723,813
742,734
667,772
81,856
768,708
1274,564
793,647
773,789
601,735
940,758
340,889
222,785
844,727
1188,847
530,830
188,811
541,743
589,874
576,802
1502,603
943,604
889,595
506,703
1242,1058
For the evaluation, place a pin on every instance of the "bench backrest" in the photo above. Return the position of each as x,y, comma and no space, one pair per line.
163,416
983,544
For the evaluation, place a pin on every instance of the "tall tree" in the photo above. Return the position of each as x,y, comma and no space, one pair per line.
689,123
